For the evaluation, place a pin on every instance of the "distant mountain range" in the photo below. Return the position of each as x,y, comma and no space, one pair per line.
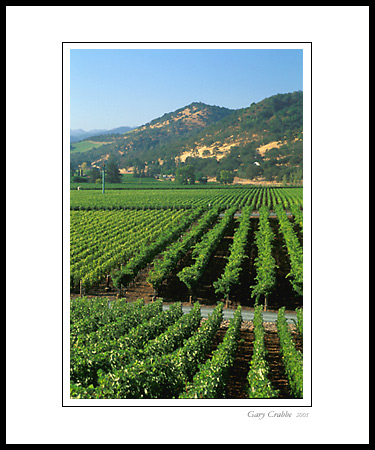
263,140
79,134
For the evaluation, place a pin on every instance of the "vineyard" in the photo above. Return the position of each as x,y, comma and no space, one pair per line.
137,256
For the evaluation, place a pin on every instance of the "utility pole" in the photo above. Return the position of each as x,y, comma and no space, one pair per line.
103,178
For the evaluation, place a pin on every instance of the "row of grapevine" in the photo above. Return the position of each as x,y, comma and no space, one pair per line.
87,316
231,274
286,197
293,359
140,239
210,380
165,354
168,260
163,376
294,248
95,253
90,352
250,196
264,262
93,232
258,375
203,250
146,252
102,240
298,216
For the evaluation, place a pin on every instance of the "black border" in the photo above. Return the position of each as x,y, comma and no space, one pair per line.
62,235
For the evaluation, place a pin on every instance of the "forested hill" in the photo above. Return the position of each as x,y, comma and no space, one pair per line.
262,140
149,141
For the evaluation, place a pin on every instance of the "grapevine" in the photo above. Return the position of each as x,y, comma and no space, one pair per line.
293,359
265,263
203,250
259,384
294,249
232,270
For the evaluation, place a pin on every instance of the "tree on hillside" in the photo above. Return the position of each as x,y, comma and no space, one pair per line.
185,175
73,169
94,174
138,168
112,170
250,171
225,177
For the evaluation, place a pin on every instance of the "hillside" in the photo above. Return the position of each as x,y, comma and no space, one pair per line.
263,140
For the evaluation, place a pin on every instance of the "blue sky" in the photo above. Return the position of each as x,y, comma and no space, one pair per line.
130,87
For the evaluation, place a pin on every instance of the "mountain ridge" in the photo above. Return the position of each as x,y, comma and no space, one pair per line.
79,134
264,138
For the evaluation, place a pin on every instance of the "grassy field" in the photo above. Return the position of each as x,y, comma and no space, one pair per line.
85,146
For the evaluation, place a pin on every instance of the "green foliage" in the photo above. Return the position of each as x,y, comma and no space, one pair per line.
265,263
163,266
185,175
157,376
232,270
294,249
299,312
148,251
133,350
132,227
298,215
174,336
225,177
140,351
293,359
103,240
112,170
78,179
211,378
203,250
92,351
257,377
94,175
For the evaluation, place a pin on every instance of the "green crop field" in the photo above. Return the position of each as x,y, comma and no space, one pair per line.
146,252
84,146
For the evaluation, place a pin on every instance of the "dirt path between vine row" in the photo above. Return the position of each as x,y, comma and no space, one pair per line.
237,378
